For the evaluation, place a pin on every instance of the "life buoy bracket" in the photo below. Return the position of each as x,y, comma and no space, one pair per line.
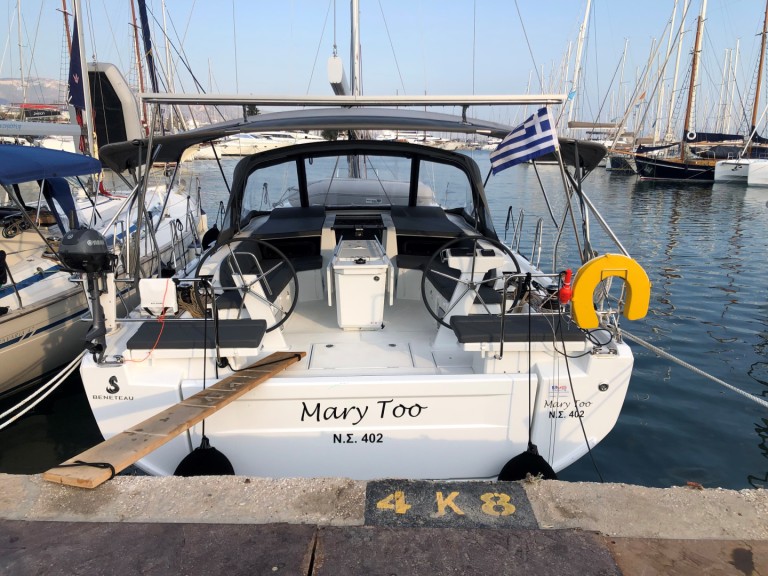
638,293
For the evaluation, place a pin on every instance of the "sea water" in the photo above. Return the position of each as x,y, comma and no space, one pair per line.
705,249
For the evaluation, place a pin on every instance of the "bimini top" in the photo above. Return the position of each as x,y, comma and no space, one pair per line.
123,156
27,163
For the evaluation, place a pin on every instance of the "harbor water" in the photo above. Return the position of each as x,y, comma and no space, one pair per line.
705,249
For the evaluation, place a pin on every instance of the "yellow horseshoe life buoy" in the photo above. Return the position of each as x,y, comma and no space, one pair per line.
587,278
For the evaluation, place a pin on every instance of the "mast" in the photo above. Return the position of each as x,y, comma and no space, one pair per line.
722,106
168,59
355,162
621,97
355,50
579,48
66,25
694,75
139,66
660,102
149,56
88,113
760,70
732,84
21,57
681,32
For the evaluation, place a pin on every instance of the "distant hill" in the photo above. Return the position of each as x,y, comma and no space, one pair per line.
47,91
39,91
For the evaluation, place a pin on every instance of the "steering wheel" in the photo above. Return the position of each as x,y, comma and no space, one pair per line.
272,269
435,271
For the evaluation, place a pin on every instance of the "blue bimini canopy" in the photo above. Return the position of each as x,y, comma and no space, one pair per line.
29,163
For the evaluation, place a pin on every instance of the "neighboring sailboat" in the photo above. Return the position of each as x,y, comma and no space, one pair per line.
41,309
687,166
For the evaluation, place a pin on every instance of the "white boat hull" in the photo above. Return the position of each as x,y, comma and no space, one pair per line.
733,171
396,407
430,350
38,340
43,327
758,173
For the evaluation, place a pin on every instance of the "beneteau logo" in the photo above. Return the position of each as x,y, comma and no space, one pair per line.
113,387
112,390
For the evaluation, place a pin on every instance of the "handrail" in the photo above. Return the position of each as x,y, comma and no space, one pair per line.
537,240
518,230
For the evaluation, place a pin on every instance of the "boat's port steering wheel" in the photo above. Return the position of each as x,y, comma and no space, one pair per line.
472,249
266,267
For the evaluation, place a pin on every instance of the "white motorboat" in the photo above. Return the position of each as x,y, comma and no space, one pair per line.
432,349
245,144
749,171
41,309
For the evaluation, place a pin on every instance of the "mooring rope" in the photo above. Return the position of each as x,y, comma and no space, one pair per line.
45,390
684,364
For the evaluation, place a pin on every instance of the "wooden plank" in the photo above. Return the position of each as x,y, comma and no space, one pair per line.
125,448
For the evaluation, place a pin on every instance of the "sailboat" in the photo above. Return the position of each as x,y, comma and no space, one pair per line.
358,314
49,197
686,166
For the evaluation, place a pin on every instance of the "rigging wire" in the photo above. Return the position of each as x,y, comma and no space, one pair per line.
394,55
183,60
528,43
92,34
320,42
32,62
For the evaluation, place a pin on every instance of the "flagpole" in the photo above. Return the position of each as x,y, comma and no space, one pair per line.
86,82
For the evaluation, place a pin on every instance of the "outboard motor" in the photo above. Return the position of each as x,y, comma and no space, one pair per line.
85,250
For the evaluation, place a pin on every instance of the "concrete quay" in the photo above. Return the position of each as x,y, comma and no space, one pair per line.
237,525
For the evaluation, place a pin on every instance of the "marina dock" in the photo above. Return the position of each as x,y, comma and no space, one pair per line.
240,525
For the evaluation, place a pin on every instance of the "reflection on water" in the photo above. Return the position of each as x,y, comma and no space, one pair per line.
704,248
58,428
762,432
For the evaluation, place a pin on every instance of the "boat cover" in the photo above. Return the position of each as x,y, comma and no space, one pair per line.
584,153
28,163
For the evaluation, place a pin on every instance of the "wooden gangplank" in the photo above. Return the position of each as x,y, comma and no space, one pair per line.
126,448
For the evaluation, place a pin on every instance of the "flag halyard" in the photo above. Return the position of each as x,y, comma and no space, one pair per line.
533,138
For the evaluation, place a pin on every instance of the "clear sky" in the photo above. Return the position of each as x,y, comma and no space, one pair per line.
408,46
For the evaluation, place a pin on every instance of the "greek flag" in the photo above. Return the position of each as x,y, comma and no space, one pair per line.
533,138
